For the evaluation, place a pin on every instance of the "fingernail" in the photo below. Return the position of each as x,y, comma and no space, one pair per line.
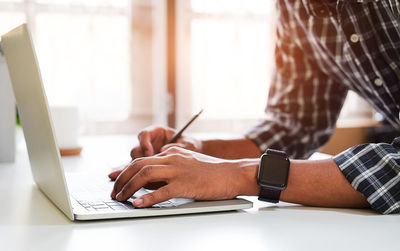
119,196
113,194
138,202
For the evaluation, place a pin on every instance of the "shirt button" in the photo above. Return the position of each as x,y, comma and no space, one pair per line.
378,82
354,38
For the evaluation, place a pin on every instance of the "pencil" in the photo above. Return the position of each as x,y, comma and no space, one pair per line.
179,133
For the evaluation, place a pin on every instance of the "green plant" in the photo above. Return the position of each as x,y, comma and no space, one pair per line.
17,117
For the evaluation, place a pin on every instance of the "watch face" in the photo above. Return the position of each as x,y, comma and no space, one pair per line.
273,171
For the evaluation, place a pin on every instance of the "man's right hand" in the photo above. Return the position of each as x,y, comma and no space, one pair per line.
153,140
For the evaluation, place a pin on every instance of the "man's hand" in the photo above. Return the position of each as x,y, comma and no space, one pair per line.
188,175
153,140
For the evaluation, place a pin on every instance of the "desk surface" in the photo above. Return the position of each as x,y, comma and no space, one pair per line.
28,221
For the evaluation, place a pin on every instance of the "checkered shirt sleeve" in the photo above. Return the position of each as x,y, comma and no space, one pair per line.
308,90
374,171
303,103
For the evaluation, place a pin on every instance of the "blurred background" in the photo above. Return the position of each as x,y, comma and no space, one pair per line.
130,63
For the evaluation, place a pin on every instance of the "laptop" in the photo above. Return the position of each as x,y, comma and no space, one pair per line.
79,197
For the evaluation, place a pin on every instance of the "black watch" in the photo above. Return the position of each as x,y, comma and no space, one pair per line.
273,175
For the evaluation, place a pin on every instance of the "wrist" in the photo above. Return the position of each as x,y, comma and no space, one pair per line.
205,147
239,148
248,185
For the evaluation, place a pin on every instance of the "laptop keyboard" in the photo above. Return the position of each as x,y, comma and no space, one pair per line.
104,205
93,194
115,205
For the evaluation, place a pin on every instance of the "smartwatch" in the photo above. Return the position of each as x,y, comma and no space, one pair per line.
273,175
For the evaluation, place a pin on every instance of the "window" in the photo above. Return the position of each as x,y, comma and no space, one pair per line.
225,59
84,53
109,58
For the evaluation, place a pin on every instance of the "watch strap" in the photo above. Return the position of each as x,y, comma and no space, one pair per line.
269,195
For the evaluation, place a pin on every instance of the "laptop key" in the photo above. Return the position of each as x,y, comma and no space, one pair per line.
156,206
113,204
166,204
119,208
129,205
97,203
100,207
103,209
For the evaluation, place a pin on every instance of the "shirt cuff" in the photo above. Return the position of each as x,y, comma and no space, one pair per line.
374,171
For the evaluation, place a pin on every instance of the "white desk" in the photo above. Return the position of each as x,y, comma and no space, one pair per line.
28,221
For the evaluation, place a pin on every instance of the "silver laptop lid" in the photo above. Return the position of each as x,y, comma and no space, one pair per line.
33,109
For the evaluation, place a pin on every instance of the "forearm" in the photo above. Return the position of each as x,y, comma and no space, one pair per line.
313,183
231,148
320,183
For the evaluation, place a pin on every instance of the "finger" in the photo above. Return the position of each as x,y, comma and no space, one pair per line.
126,174
113,175
166,147
117,171
174,151
155,185
160,195
169,133
181,139
151,173
131,170
145,143
136,152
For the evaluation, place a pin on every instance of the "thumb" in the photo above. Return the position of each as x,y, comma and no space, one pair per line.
145,144
162,194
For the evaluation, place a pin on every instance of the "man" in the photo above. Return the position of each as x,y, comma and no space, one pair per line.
324,48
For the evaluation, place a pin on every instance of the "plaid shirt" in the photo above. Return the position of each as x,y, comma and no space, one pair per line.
325,48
